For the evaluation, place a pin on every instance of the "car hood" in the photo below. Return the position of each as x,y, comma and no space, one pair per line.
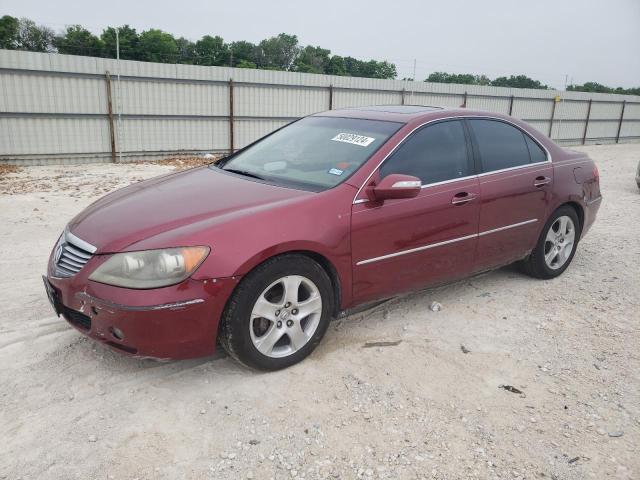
172,202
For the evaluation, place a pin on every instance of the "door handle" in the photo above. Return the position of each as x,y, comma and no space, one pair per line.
461,198
541,181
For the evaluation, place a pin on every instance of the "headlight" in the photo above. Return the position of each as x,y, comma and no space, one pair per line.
151,268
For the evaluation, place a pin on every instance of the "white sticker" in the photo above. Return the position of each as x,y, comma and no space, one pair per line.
353,139
336,171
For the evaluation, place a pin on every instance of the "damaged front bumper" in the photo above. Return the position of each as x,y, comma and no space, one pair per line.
176,322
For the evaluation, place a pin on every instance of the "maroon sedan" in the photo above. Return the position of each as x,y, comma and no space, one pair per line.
338,209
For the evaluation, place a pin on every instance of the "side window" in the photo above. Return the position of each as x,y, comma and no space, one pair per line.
433,154
536,153
500,145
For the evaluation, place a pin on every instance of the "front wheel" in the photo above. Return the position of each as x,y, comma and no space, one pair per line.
556,246
278,314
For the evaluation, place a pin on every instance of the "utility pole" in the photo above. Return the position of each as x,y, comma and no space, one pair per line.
119,104
413,80
566,78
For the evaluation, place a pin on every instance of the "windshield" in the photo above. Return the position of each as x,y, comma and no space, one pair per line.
315,152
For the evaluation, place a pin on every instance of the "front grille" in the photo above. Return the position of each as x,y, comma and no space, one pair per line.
71,254
76,318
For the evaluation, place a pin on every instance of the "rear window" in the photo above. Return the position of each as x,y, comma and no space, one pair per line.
500,145
536,153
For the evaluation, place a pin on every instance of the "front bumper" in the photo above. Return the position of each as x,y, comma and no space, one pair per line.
176,322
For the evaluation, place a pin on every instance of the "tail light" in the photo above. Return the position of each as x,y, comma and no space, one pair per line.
596,173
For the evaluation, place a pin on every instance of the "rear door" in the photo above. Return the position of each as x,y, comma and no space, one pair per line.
400,245
515,178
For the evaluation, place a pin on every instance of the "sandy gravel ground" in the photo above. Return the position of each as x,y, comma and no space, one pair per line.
72,409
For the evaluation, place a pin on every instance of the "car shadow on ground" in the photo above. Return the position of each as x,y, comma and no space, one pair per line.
348,325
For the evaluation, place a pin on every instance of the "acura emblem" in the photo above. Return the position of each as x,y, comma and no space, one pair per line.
57,254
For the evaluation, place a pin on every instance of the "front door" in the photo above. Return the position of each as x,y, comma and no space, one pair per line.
401,245
515,188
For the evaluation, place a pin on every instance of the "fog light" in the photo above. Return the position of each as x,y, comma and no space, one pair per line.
117,333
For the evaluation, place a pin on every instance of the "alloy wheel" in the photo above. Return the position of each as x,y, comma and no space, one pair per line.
285,316
559,242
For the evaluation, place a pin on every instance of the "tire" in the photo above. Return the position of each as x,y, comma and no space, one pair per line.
294,319
537,264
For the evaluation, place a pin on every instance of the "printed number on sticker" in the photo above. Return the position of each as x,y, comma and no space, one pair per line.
353,139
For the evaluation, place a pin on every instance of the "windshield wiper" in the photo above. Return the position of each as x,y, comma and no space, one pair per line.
243,172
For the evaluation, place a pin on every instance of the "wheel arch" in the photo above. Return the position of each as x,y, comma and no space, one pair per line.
579,209
322,260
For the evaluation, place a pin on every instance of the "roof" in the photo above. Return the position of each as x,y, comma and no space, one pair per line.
406,113
390,113
403,109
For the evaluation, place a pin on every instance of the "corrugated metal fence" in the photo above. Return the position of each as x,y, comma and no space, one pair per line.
62,108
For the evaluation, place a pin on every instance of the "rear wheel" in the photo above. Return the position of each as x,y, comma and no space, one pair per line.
556,246
278,314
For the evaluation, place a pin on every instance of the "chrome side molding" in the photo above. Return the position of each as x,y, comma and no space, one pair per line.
446,242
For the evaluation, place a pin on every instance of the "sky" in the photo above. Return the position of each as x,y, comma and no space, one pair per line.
554,41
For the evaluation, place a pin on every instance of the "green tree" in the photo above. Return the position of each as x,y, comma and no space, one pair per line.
186,51
517,81
9,29
158,46
336,66
281,52
313,60
439,77
278,53
211,51
369,69
35,38
354,67
590,87
628,91
599,88
242,51
77,40
483,80
460,78
384,69
129,42
245,64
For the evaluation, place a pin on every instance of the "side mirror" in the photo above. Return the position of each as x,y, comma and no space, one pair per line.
397,186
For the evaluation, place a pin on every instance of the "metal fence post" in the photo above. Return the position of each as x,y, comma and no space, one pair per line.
511,105
553,114
112,132
464,101
331,97
624,103
586,122
231,148
402,93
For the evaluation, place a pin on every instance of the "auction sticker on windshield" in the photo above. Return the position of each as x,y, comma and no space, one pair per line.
354,139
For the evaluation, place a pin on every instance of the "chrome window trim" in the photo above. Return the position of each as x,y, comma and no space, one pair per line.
459,117
446,242
443,182
484,174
